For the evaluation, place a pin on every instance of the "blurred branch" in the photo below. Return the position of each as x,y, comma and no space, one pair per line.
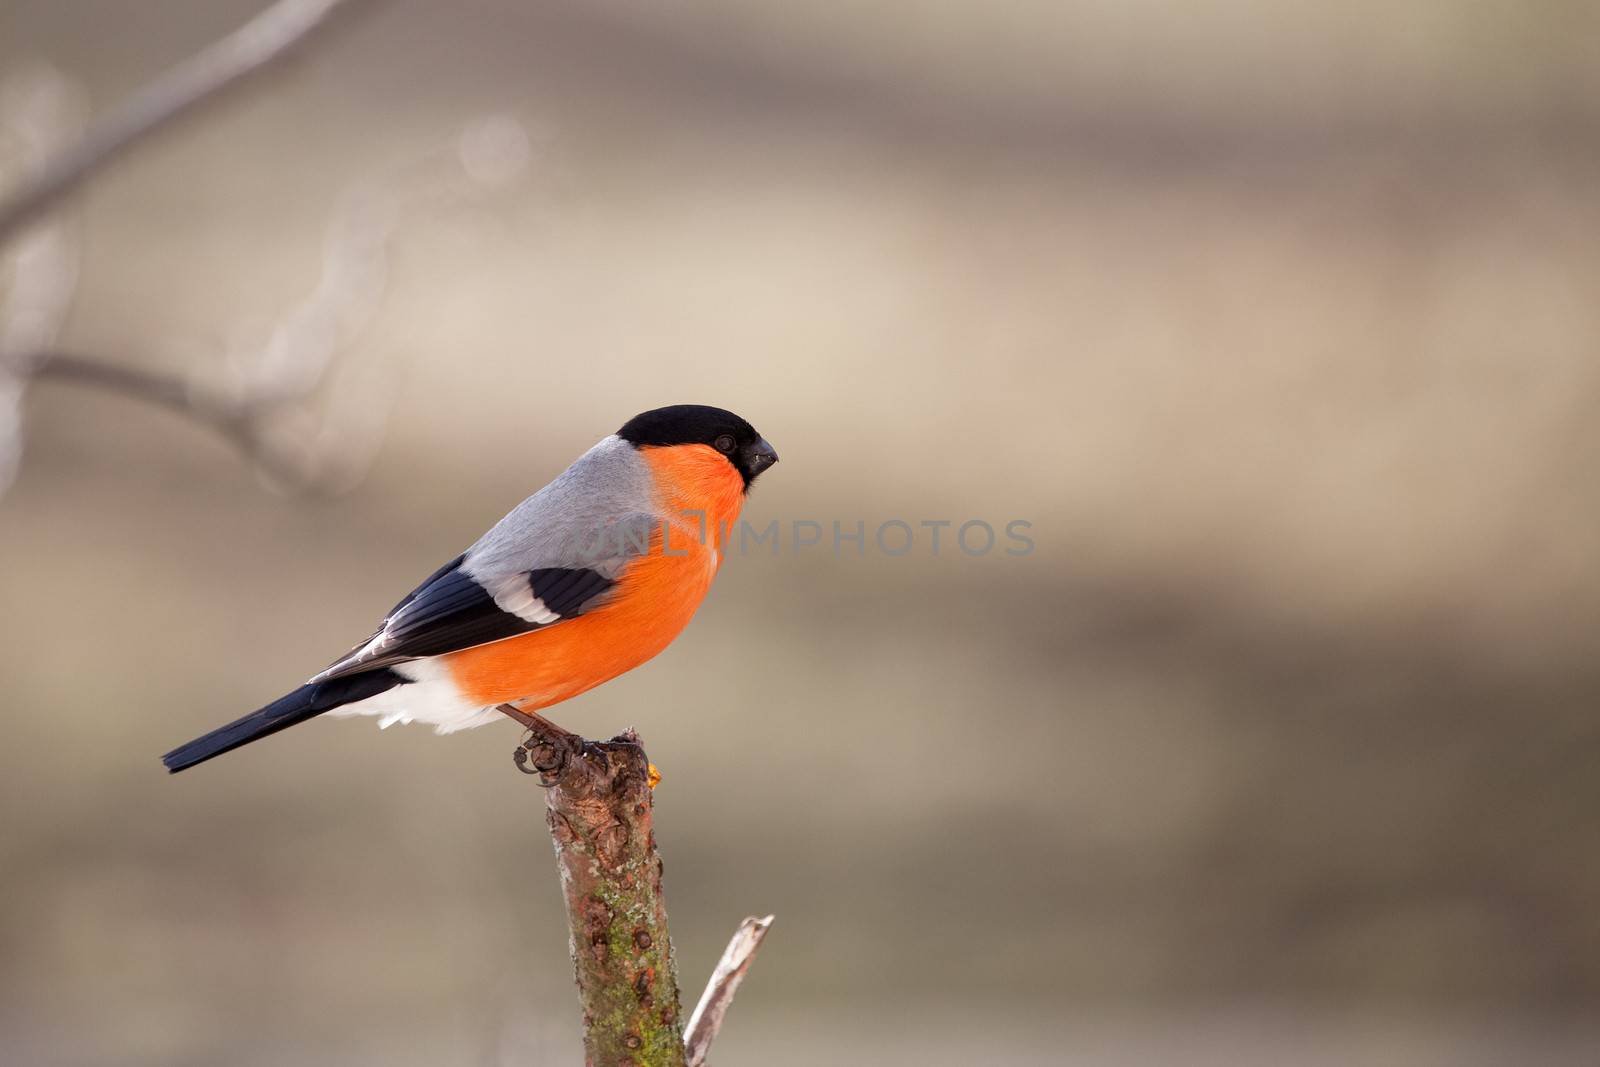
40,110
236,419
600,811
44,273
263,407
264,404
201,77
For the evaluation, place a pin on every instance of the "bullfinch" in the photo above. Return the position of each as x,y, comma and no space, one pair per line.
583,581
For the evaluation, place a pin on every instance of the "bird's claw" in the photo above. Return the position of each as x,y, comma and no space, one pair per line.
519,756
528,763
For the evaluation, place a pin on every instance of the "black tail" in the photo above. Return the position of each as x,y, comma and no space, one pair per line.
304,703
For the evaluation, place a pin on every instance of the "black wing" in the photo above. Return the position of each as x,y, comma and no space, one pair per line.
452,610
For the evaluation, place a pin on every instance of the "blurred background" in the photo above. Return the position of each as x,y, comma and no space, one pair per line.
1279,323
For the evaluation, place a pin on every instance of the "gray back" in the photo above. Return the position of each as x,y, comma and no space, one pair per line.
590,516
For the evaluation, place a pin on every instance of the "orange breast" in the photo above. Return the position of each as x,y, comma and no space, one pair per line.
655,597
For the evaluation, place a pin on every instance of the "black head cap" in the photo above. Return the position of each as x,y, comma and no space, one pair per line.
696,424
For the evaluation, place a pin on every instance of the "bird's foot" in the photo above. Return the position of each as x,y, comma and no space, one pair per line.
547,748
546,756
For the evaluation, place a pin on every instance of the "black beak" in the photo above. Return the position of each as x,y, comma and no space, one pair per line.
758,457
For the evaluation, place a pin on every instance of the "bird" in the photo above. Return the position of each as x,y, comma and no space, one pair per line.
583,581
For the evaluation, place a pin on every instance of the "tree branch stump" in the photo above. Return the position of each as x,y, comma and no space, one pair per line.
599,810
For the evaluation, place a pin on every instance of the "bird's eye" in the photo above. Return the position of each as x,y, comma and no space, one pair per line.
724,443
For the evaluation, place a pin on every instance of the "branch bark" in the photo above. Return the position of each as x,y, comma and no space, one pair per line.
599,811
250,48
599,808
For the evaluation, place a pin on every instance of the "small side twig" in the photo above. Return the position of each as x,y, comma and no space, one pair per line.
706,1022
250,48
599,809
